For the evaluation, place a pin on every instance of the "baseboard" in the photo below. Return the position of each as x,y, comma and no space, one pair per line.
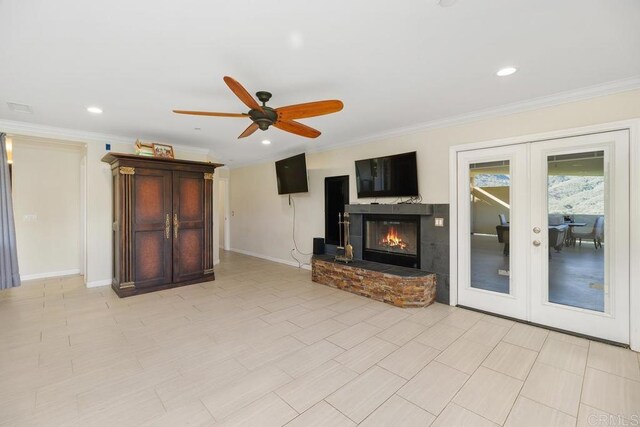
50,274
269,258
98,283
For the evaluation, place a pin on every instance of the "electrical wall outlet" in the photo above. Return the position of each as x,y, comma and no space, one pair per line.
439,222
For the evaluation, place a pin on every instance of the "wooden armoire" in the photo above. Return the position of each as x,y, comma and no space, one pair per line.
162,222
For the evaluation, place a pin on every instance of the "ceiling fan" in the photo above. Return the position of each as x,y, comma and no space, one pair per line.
282,118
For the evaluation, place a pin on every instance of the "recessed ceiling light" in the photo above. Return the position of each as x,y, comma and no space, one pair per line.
266,142
446,3
296,41
506,71
94,110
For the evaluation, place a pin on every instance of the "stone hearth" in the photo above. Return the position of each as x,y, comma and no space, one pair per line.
399,286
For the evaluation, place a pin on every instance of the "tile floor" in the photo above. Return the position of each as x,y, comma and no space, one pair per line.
263,345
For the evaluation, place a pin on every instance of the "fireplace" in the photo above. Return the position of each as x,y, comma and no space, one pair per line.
392,239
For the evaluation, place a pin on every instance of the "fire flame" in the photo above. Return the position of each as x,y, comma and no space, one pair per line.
393,240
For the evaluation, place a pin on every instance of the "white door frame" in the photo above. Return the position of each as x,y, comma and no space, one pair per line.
633,126
83,213
226,243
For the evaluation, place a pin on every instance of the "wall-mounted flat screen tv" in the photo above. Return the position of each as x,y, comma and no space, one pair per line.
292,175
390,176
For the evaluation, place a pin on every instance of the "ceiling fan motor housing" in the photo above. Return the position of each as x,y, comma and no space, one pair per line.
264,118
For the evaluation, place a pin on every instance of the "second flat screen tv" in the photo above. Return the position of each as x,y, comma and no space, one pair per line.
291,174
390,176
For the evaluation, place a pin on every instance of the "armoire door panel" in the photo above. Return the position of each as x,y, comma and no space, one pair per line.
149,257
190,196
191,250
152,209
188,210
149,191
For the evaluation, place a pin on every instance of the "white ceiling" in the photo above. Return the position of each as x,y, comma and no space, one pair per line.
395,64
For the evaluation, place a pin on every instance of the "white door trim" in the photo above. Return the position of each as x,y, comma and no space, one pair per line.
226,234
633,126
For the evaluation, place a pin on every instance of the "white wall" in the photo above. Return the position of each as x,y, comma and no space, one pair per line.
46,196
261,221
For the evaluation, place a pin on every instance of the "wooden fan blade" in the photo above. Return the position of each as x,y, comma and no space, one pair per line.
242,93
248,131
309,109
297,128
209,113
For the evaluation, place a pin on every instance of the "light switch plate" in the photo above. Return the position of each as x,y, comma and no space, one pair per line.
439,222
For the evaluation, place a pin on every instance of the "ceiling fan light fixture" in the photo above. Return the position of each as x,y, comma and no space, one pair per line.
506,71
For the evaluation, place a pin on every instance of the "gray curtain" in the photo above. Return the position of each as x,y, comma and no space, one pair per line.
9,275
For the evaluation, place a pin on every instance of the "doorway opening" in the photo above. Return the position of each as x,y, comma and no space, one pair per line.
49,198
336,196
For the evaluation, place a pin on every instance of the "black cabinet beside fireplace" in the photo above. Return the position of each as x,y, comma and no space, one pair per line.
391,239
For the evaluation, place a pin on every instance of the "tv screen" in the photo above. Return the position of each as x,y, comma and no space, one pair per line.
391,176
292,175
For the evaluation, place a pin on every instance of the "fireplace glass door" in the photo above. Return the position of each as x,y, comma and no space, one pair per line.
392,240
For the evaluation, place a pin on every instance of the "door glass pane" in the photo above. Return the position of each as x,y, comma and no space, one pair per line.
576,196
490,185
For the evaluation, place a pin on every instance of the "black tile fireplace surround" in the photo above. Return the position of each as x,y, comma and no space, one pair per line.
433,241
391,239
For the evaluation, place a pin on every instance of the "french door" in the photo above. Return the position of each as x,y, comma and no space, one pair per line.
543,233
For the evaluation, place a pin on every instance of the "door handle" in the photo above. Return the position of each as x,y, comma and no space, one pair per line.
536,230
176,225
167,226
536,243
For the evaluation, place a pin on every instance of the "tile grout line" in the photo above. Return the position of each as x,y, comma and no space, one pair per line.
524,382
470,375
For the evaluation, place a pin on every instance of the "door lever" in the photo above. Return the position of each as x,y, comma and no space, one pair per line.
167,226
176,225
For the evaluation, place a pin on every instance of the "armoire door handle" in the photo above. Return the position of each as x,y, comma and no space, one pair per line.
167,226
176,225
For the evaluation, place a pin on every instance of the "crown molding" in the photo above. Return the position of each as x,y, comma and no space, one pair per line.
65,134
559,98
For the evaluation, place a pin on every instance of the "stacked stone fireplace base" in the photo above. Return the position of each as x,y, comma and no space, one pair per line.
399,286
